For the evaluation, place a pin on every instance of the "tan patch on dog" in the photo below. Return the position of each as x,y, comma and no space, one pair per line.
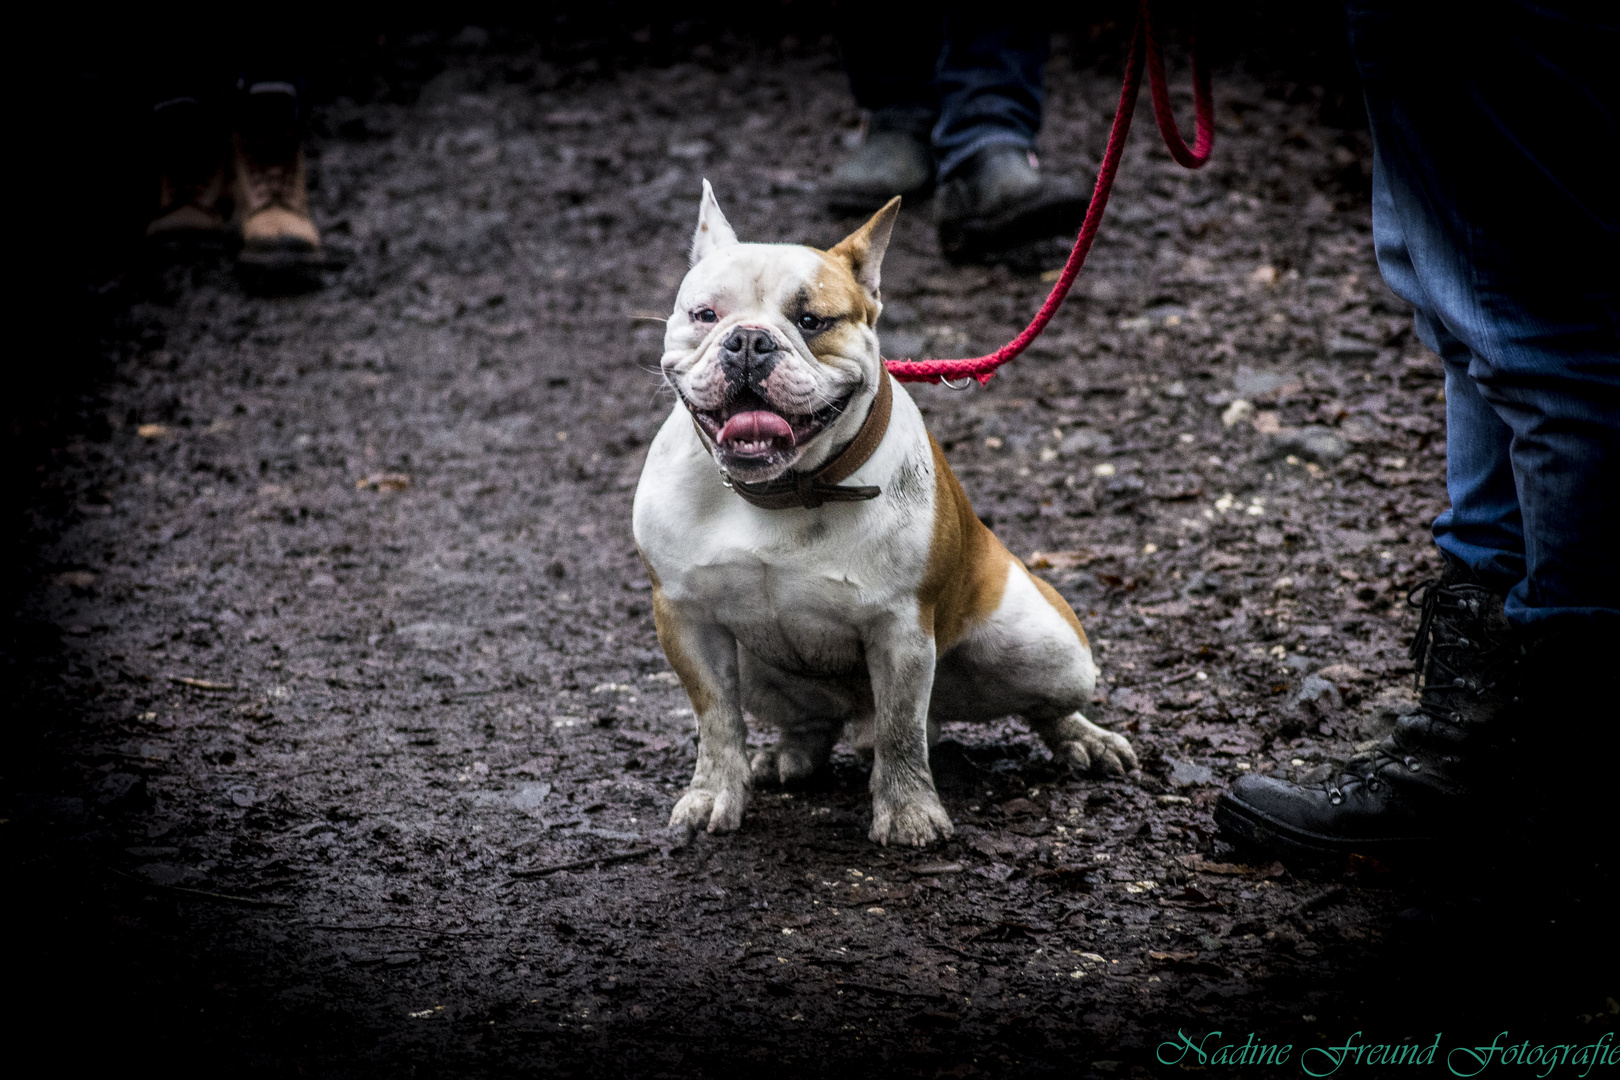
668,627
834,294
669,636
837,292
1055,598
967,565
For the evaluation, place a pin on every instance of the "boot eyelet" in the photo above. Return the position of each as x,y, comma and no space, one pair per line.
1335,796
1373,785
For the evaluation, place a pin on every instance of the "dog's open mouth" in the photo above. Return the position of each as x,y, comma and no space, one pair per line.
749,431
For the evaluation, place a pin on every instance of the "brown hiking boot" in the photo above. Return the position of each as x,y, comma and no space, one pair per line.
895,159
272,203
191,175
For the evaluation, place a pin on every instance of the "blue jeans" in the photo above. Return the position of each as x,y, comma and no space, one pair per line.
1496,214
971,80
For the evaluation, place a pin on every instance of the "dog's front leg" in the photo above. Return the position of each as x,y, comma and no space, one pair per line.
905,806
705,658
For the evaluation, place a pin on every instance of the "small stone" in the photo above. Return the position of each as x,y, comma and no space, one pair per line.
1344,673
1348,348
1313,442
1319,693
1188,773
530,796
1237,412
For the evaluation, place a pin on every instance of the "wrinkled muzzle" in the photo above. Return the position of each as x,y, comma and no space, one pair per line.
757,400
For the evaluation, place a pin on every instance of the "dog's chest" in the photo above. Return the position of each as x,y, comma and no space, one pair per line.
802,615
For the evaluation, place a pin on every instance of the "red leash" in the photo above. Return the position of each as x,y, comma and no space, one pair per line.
1144,44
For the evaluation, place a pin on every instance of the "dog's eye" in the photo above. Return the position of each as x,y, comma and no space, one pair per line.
811,323
705,315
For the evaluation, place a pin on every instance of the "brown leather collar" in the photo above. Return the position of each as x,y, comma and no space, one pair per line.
809,490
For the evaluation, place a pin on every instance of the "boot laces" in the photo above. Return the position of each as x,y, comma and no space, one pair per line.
271,184
1456,648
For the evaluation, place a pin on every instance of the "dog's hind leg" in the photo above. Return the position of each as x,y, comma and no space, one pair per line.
1030,658
1082,745
807,714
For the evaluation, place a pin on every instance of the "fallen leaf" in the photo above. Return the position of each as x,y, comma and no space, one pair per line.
77,579
1059,560
1200,865
1065,877
1001,846
1344,673
154,431
1019,807
390,481
1173,957
1193,900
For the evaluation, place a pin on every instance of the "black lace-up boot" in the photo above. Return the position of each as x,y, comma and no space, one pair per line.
1419,784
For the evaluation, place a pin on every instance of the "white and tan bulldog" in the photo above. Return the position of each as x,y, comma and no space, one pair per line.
813,559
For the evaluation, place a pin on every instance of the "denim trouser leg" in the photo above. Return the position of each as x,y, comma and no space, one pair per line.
990,80
1495,215
889,55
1482,526
980,76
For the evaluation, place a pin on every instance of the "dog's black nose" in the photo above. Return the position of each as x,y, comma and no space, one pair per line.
749,341
748,355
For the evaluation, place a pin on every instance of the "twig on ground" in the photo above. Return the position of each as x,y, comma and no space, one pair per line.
394,926
201,684
1326,898
581,864
203,892
869,988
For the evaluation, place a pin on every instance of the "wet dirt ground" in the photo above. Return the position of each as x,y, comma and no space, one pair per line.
343,744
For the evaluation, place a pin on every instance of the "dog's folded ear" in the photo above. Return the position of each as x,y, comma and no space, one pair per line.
863,249
713,230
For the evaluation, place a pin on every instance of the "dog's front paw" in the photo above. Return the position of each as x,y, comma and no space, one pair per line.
716,811
915,822
1090,749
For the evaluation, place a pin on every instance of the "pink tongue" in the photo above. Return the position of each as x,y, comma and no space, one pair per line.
756,427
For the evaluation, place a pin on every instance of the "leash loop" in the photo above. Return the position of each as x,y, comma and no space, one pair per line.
1144,49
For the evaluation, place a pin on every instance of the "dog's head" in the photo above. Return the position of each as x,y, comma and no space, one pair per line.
773,347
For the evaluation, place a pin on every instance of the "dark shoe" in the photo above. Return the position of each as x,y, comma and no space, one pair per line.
894,160
272,201
191,175
999,200
1420,784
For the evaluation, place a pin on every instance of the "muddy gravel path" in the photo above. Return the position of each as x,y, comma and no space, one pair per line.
344,742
